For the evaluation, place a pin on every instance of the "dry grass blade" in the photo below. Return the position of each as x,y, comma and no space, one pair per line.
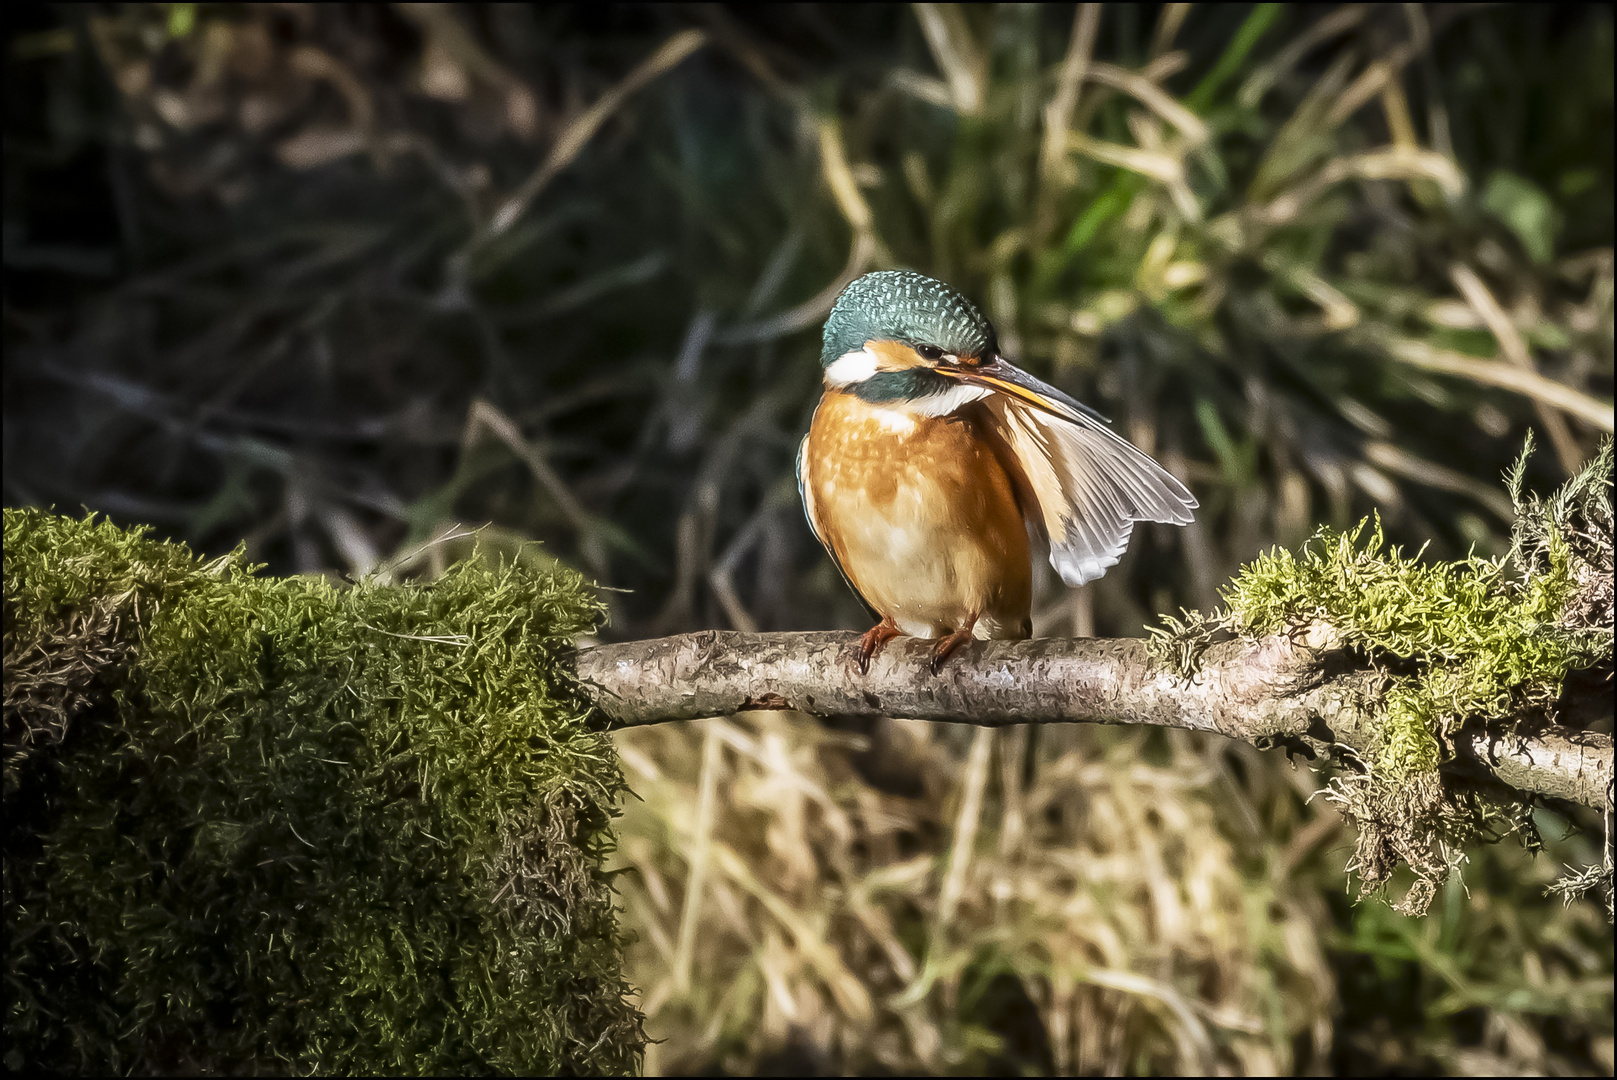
959,59
1401,462
482,417
965,829
1265,76
1058,113
839,178
1597,414
1168,23
1369,84
1392,163
1154,97
701,853
850,994
1514,349
580,131
1194,1045
1166,169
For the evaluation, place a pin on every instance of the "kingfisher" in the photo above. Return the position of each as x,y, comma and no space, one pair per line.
933,466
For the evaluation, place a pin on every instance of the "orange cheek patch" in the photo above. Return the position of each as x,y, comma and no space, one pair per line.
892,356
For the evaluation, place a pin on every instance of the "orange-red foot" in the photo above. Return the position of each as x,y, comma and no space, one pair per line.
946,647
872,642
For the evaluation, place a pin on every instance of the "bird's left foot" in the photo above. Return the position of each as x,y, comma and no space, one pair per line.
946,647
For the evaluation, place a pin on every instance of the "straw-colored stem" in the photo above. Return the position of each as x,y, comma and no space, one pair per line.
701,844
1514,349
1597,414
965,827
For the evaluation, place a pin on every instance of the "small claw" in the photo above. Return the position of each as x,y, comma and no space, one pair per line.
872,642
946,647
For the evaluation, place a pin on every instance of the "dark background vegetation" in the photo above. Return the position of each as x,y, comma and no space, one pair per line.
264,283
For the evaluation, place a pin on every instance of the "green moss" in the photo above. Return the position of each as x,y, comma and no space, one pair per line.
1479,639
282,824
1476,633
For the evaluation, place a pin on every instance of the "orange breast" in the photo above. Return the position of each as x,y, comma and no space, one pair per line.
922,516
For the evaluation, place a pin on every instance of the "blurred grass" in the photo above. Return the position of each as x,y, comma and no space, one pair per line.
1075,909
337,280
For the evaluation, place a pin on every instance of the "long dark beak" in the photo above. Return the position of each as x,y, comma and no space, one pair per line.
1004,377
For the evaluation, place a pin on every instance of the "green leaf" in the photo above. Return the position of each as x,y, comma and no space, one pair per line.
1526,210
1255,26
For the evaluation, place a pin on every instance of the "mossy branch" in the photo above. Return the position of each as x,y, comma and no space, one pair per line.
1279,690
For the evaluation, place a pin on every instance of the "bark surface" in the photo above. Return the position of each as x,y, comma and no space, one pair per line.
1277,691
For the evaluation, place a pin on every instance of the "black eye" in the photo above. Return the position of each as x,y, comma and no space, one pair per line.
929,352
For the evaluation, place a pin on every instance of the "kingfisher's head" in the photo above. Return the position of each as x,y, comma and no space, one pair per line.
899,336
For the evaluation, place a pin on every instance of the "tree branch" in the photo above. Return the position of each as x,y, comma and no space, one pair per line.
1278,690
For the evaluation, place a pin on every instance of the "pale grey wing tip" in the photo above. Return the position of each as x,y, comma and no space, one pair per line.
1074,575
1120,458
1181,495
1179,515
1081,560
1175,508
1174,496
1173,502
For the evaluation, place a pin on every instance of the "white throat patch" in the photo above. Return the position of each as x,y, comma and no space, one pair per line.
947,401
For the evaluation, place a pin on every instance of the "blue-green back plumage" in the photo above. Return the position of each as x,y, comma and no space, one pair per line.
901,305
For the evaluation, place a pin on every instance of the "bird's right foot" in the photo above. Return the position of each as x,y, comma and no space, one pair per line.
872,642
946,647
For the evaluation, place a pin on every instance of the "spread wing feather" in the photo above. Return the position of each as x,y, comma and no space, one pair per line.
1088,485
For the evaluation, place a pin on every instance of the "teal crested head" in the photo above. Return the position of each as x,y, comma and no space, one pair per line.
910,309
890,331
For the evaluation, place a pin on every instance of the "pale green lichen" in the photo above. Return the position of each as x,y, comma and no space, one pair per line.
1178,644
